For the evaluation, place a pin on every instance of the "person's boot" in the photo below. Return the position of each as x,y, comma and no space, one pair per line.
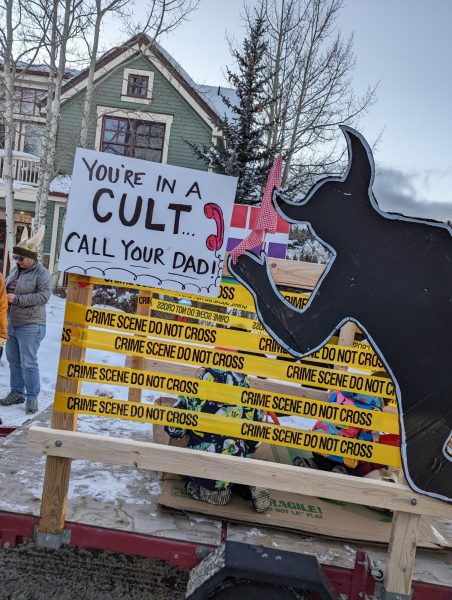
339,469
260,498
12,398
31,407
199,492
302,461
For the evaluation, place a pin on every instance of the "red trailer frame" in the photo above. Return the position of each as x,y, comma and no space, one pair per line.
355,583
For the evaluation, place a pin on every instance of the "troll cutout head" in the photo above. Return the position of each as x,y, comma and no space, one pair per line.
392,275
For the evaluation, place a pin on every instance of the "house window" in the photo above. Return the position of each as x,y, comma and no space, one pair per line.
33,139
131,137
137,86
26,101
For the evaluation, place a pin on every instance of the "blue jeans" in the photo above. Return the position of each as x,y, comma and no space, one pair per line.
22,354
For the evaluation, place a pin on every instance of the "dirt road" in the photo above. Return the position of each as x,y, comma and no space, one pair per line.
30,573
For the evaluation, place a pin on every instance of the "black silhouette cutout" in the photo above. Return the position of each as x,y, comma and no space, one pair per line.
392,275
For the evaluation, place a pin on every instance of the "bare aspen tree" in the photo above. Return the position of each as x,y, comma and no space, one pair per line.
98,12
67,18
9,68
18,53
163,16
310,70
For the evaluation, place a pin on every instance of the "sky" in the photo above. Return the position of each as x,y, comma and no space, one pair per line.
406,46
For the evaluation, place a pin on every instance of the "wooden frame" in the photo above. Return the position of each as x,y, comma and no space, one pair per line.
185,461
62,443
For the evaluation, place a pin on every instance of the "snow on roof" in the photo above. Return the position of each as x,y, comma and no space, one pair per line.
18,185
17,154
34,68
213,96
175,64
209,93
61,184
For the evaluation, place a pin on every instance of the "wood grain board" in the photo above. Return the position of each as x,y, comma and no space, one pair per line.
185,461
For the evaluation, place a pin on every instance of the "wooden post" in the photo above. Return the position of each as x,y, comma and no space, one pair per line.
346,338
347,334
144,301
58,470
402,553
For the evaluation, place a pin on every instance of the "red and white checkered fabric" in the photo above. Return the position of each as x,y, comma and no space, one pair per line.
268,217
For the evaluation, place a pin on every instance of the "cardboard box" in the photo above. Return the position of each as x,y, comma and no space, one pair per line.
302,513
312,515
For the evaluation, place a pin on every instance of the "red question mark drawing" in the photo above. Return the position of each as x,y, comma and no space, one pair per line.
213,211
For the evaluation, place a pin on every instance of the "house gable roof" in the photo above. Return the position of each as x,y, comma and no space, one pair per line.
162,61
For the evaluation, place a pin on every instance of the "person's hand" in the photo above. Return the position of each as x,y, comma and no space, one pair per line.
10,298
2,342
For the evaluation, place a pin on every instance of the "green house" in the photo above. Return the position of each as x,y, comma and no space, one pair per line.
144,106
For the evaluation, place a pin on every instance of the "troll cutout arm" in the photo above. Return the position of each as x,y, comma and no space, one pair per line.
299,331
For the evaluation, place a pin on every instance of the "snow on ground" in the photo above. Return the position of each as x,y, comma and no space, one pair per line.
48,357
104,485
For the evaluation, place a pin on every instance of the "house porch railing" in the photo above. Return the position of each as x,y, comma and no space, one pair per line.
25,168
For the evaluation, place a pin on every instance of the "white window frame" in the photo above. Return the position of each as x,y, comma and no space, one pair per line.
167,120
125,83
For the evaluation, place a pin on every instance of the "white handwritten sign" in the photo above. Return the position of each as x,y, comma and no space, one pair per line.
148,223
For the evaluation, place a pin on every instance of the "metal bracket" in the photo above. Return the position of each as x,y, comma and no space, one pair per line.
52,541
382,594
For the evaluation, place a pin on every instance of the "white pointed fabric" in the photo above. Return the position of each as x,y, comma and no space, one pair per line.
32,243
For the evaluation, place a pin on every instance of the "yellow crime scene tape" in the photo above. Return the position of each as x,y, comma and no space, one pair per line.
229,426
243,300
204,314
202,334
226,319
234,295
231,295
297,372
230,394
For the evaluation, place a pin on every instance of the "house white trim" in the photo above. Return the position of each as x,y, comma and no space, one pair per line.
135,114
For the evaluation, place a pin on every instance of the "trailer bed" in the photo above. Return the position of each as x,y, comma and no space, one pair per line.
113,507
